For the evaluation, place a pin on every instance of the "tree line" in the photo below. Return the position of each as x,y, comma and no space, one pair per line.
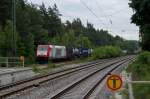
141,67
41,25
141,18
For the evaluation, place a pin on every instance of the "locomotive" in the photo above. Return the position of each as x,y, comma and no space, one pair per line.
55,52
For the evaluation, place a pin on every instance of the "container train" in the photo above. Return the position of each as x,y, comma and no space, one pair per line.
55,52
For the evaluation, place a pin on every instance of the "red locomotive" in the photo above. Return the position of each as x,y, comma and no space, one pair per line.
54,52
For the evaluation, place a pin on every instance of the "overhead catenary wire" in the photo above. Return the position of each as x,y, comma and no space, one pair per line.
31,2
91,11
116,12
107,17
66,16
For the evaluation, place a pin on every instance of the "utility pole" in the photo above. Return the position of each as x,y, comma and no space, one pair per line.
14,27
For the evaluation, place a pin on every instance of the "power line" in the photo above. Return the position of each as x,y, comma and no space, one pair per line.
31,2
107,17
93,13
124,30
73,17
67,16
55,2
91,10
116,12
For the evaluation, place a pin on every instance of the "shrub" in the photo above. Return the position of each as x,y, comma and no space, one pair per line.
141,66
106,52
140,70
144,58
35,69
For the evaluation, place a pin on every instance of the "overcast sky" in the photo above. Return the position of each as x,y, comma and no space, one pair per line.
113,15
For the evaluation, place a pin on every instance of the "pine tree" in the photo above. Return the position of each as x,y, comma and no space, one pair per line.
6,40
5,11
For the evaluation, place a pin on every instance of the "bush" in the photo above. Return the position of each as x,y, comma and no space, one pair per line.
106,52
144,58
35,69
141,66
140,70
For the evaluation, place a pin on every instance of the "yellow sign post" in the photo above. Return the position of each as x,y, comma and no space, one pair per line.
22,59
114,82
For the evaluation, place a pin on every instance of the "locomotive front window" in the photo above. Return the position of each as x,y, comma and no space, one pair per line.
42,48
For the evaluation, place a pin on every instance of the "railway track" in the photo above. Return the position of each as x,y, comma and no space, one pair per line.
35,82
73,90
118,68
49,74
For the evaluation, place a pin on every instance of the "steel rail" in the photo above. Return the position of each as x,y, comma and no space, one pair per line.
57,95
38,77
12,91
87,95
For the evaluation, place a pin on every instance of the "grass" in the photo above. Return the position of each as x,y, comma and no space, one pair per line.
141,71
51,65
36,68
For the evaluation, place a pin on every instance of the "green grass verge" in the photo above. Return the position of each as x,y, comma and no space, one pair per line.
141,71
36,68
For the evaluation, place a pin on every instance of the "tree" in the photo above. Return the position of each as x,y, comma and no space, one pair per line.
52,21
41,25
26,46
77,26
141,18
36,26
69,39
5,11
6,40
22,16
83,41
29,27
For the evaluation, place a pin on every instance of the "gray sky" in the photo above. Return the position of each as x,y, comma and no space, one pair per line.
116,12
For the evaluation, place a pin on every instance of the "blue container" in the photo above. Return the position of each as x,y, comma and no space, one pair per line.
84,52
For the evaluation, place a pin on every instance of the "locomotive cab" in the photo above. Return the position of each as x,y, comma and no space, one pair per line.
43,52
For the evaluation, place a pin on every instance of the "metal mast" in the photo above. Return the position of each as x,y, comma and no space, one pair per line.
14,27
